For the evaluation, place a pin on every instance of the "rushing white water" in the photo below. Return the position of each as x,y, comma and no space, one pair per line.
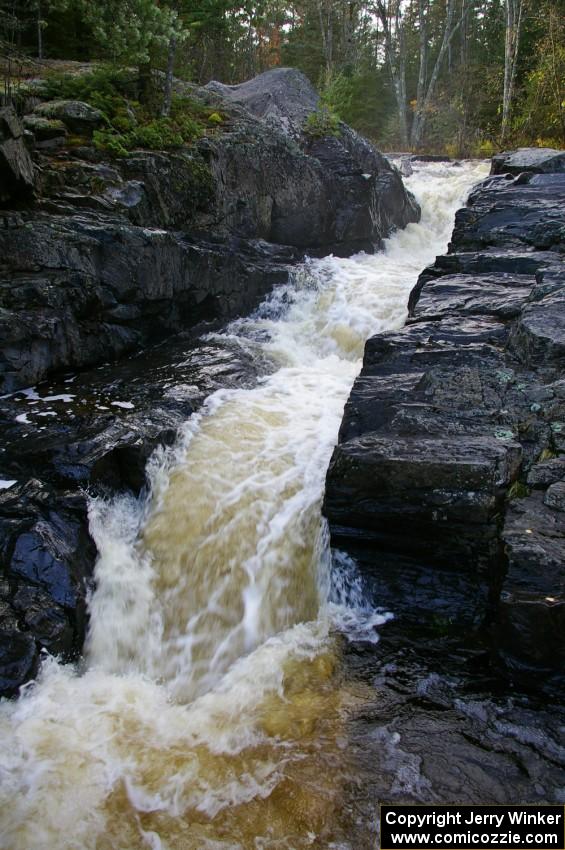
209,711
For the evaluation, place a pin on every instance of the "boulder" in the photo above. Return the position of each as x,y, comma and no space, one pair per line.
283,96
18,661
116,256
46,562
79,117
44,128
361,199
537,160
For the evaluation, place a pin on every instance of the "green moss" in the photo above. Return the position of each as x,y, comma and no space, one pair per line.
518,491
75,141
112,143
200,181
504,434
159,134
123,123
215,118
547,454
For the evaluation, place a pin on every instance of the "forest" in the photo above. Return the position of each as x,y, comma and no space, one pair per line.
461,77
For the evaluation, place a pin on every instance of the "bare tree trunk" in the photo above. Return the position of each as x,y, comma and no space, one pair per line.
168,93
350,16
395,50
422,107
557,84
326,29
423,69
39,32
514,15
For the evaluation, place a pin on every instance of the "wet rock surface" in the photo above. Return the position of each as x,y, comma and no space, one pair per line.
107,263
86,434
118,254
447,483
435,726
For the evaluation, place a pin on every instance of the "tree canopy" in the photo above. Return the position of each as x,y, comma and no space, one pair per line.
461,76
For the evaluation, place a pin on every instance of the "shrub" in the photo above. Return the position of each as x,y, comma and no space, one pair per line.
485,148
104,88
112,143
322,123
156,135
130,124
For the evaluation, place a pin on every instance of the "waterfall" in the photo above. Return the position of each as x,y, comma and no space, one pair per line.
209,710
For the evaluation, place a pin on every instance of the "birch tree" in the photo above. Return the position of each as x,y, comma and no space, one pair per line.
392,22
514,10
426,88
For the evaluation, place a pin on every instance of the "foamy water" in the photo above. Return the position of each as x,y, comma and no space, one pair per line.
209,711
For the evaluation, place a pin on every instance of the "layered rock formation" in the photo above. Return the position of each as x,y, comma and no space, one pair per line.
100,257
447,482
116,254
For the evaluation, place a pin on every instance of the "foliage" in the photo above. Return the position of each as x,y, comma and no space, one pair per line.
105,88
158,134
361,98
131,125
340,46
542,111
132,30
322,123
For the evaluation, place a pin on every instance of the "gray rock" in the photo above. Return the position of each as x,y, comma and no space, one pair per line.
79,117
555,496
17,177
546,472
537,160
104,236
531,618
283,96
18,661
44,128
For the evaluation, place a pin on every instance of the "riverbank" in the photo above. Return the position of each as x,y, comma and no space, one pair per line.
212,704
442,490
106,256
454,430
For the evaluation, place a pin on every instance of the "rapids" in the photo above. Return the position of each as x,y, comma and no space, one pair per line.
210,710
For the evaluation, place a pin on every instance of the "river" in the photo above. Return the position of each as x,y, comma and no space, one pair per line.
211,709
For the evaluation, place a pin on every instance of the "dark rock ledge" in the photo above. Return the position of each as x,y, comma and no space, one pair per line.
448,483
108,263
113,254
